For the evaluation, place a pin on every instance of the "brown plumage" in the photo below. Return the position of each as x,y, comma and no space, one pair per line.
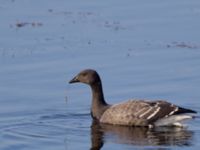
132,112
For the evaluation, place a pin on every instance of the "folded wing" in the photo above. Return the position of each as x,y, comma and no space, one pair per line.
141,113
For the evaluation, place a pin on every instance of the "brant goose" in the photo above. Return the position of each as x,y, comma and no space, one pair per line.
132,112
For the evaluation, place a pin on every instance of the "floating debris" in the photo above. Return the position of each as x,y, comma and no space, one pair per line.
182,45
116,25
89,42
50,10
23,24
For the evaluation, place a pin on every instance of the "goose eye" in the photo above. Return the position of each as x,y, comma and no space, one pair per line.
84,74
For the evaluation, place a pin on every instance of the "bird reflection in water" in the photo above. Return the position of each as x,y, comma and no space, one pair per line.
160,136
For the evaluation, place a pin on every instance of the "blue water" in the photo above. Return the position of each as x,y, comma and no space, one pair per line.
141,49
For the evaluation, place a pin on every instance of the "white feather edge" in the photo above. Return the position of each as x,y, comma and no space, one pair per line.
174,120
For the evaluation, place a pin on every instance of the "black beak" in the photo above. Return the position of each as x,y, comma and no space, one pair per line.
74,80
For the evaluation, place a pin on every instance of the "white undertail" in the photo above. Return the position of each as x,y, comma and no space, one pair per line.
174,120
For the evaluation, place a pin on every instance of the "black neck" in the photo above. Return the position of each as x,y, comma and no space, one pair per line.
98,102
